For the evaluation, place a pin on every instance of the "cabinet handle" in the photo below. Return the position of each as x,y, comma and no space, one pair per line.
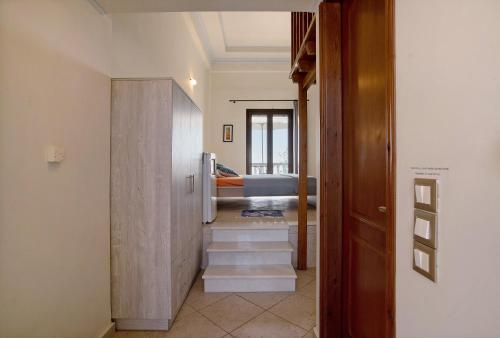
382,209
191,182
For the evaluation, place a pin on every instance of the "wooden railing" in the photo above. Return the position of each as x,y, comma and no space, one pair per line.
261,168
301,21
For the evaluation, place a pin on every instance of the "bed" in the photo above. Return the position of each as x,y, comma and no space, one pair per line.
244,186
262,185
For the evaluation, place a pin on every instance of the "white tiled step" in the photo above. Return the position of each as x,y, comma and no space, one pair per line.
249,253
249,278
254,225
250,235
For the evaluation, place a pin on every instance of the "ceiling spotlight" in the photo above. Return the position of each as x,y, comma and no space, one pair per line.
192,81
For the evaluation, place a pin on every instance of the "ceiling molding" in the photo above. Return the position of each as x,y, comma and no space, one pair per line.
201,30
188,19
257,49
252,61
136,6
251,67
214,42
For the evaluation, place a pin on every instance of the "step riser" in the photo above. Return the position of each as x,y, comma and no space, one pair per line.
249,258
250,285
234,235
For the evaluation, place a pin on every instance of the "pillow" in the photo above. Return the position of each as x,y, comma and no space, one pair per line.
225,171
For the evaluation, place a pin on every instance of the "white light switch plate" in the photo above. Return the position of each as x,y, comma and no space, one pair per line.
424,260
54,154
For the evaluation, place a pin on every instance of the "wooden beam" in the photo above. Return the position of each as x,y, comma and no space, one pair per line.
309,78
330,183
305,65
302,217
311,48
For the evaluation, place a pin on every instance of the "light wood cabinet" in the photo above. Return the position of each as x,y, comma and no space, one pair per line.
156,195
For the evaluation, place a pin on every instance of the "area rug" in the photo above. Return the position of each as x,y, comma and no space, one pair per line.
261,213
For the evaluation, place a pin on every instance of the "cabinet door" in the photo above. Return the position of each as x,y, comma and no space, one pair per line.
181,195
196,132
140,199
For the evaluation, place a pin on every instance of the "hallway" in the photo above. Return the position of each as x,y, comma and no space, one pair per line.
250,315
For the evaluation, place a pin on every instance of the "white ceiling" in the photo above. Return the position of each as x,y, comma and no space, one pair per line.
129,6
244,36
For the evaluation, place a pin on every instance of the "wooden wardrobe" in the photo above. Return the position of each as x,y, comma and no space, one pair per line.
156,201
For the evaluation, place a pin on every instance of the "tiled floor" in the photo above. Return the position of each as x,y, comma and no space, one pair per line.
229,209
247,315
244,315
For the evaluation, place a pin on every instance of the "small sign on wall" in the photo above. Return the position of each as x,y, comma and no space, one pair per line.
227,133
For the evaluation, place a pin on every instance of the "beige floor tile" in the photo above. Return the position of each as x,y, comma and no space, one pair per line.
138,334
297,309
120,334
311,272
185,310
310,334
303,279
268,325
309,290
231,312
198,299
194,325
265,299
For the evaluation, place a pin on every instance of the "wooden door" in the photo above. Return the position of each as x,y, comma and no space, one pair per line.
368,232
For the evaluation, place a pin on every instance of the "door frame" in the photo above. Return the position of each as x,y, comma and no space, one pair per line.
331,170
269,113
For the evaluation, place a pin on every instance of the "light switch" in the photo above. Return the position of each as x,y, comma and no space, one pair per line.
54,154
421,260
422,228
423,194
425,228
426,194
424,260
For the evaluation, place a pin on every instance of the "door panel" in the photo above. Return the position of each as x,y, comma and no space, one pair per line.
368,228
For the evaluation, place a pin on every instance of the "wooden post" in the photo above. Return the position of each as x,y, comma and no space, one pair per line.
302,217
330,197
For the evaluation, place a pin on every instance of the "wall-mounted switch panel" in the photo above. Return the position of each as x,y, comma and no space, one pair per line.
424,260
425,228
54,154
426,194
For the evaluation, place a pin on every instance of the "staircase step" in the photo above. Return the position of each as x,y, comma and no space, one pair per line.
249,253
250,225
249,278
250,235
250,247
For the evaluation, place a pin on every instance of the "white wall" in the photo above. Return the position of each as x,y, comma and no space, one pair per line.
448,115
161,45
252,84
54,219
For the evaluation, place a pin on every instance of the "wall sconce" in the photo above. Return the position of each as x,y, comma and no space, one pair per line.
192,82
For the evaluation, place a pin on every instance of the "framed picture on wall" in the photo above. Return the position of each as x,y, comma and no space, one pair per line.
227,133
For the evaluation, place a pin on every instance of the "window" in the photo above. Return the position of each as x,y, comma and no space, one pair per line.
269,141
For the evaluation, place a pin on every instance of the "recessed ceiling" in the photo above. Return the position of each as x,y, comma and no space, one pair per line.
245,36
130,6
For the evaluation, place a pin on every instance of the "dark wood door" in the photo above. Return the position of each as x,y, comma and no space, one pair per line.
368,259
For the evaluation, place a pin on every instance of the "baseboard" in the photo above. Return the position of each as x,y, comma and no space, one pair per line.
109,331
143,324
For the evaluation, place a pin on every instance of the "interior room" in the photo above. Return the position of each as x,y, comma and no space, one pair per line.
294,168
